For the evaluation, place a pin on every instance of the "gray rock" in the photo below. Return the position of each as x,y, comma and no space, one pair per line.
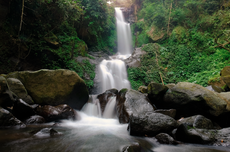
168,112
8,120
164,138
191,99
156,91
150,124
46,132
36,119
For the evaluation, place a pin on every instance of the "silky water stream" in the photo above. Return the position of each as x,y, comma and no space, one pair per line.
95,131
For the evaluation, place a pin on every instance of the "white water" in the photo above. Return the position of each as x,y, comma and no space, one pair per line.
113,73
124,36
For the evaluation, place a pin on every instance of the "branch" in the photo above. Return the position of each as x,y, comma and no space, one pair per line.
21,17
222,45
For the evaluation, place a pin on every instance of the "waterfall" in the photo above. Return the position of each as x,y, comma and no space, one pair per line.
113,73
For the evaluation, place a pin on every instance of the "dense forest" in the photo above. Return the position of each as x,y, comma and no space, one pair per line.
185,40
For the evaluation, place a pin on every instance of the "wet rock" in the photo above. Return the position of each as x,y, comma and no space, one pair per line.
198,136
143,89
150,124
54,87
168,112
46,132
170,85
156,91
192,99
104,97
132,148
137,103
22,110
164,138
56,113
135,59
122,114
197,121
36,119
8,120
222,137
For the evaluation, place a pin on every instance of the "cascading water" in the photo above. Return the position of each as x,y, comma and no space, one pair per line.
112,73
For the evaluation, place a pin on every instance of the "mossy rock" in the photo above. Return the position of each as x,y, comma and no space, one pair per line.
225,75
179,32
156,34
54,87
143,89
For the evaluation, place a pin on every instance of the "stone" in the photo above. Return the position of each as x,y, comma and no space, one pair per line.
191,135
46,132
8,120
132,148
36,119
164,138
192,99
22,110
225,75
143,89
222,137
122,114
54,87
168,112
51,113
156,91
19,90
104,97
150,124
135,59
197,121
137,103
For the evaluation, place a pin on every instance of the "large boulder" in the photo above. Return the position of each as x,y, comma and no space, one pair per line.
191,99
168,112
150,124
19,90
54,87
225,75
132,102
8,120
56,113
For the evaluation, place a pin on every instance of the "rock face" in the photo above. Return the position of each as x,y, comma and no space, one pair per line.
135,59
56,113
191,99
150,124
54,87
19,90
225,75
8,120
169,112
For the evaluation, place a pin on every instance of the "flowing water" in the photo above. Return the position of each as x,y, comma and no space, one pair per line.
95,131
